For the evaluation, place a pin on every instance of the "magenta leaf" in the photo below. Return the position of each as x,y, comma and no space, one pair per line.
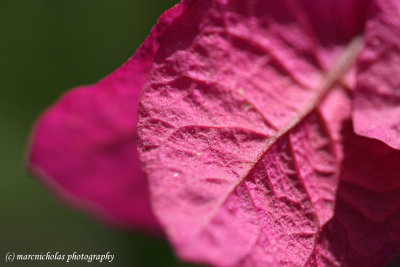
377,96
84,147
239,127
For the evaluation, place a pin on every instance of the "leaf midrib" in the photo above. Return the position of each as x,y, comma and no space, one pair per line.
332,76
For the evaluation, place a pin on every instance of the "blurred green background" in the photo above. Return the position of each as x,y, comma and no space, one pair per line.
47,47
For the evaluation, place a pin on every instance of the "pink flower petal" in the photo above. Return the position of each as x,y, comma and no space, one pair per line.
377,96
365,230
84,146
242,162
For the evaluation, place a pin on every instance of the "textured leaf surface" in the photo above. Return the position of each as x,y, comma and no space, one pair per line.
365,230
377,96
84,147
241,155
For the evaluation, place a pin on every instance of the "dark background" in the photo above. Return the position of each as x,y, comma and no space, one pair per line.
47,47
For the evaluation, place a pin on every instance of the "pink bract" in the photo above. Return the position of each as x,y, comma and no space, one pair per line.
377,96
365,229
245,134
240,129
84,147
